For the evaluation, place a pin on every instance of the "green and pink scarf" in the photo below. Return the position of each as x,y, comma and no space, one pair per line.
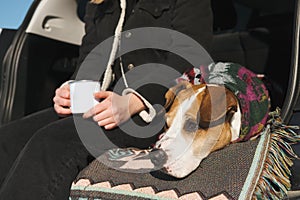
249,89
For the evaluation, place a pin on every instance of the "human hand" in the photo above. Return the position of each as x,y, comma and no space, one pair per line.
62,101
114,109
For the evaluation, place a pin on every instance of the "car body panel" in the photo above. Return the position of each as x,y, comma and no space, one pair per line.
58,23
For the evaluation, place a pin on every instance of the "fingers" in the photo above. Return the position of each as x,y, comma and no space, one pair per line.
111,126
63,91
62,101
103,105
62,96
107,121
105,118
111,111
95,110
103,115
102,94
61,110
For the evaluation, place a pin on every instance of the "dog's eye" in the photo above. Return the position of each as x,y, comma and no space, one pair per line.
190,126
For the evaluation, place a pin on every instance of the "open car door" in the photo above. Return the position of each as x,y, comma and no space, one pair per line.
42,54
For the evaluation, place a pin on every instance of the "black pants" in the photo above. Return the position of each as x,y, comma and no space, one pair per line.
40,155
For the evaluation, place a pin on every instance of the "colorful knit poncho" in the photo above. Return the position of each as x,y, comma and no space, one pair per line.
249,89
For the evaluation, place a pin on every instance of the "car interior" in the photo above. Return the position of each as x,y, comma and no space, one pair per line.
256,34
38,54
251,33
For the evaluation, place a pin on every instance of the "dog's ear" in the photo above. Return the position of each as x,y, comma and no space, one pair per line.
218,106
172,92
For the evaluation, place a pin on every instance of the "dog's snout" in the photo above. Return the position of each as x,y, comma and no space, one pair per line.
158,157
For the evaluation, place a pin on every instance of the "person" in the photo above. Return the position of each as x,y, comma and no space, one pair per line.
42,153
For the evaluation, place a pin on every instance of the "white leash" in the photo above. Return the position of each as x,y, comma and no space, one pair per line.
117,37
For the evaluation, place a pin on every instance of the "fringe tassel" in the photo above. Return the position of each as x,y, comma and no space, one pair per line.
275,177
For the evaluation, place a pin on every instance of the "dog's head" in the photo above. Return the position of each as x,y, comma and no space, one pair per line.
200,119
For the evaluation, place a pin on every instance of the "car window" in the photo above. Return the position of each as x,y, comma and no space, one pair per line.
12,13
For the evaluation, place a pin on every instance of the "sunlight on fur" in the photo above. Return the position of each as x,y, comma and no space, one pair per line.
97,1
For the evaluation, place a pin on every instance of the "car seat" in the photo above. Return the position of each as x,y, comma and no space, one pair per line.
260,38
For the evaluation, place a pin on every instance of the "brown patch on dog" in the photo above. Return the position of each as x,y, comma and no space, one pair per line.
218,103
211,139
176,95
212,111
216,110
173,92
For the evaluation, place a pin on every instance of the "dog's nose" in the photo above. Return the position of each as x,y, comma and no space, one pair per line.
158,157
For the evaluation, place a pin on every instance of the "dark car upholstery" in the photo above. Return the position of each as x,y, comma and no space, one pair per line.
258,37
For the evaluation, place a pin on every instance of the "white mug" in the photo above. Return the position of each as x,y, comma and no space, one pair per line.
82,95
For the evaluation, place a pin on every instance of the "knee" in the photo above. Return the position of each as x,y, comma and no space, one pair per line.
60,132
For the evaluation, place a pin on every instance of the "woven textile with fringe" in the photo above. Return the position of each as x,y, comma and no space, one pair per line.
273,182
255,169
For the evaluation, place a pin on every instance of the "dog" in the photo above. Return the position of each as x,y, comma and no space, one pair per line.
208,109
200,120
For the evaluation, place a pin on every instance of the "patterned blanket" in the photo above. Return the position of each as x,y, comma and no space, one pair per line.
255,169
